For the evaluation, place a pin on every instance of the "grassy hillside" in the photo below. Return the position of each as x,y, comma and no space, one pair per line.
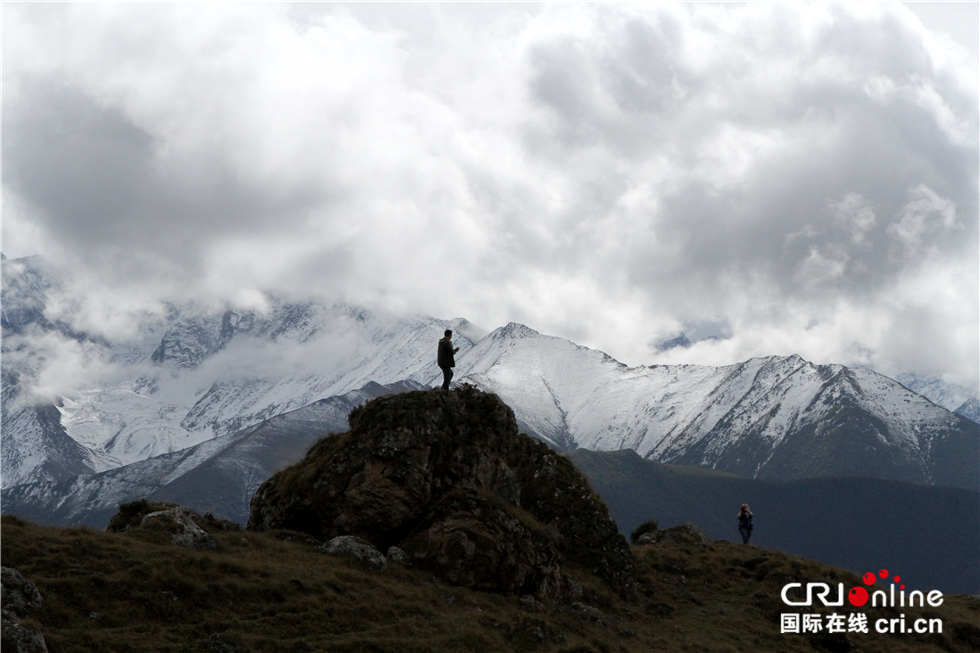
272,592
930,534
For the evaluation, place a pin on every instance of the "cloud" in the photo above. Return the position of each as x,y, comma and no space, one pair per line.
608,173
49,365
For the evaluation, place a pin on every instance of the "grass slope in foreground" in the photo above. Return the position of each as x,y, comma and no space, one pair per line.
273,592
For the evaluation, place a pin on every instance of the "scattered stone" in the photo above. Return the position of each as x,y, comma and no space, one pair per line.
539,631
587,611
683,534
356,549
530,603
693,598
185,526
397,555
448,598
179,521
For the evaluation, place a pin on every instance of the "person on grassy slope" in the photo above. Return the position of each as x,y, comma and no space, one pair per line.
745,522
446,358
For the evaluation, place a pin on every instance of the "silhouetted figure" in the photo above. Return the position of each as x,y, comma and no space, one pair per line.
446,358
745,523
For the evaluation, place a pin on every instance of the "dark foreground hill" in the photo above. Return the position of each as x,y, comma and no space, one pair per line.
489,541
931,534
275,592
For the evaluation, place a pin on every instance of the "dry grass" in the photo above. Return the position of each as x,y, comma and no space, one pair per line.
273,592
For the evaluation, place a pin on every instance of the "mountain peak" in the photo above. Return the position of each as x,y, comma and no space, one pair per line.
517,330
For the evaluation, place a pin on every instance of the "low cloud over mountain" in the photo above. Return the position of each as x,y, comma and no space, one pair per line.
804,174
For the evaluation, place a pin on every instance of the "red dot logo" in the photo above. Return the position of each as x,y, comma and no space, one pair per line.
898,578
869,578
883,573
858,596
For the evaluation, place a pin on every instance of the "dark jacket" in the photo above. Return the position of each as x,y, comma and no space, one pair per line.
446,358
745,520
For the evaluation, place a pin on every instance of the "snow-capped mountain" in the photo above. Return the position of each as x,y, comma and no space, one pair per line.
194,379
213,375
956,398
775,417
218,476
190,375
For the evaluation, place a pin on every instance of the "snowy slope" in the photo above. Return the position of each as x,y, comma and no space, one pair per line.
758,418
218,476
190,374
207,388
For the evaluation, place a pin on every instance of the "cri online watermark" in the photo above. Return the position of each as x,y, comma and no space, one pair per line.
858,622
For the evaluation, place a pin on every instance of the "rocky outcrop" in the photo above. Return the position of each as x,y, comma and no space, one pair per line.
448,479
19,598
185,527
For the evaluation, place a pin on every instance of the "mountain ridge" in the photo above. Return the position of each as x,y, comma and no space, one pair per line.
192,375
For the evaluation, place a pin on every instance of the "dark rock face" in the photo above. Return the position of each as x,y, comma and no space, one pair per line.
448,479
19,599
471,540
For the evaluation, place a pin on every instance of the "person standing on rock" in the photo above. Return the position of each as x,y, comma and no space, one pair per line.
446,358
745,523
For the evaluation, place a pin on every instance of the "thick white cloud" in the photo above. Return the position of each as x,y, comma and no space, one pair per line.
803,178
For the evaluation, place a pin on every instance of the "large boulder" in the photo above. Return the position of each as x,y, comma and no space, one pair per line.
19,598
447,478
17,594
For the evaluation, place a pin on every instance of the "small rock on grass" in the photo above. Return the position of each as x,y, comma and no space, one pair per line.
356,549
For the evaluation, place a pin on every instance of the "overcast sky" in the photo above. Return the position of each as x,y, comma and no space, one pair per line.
794,178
